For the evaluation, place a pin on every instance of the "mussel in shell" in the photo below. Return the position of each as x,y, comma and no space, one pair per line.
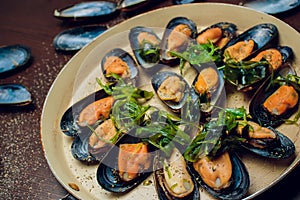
171,88
145,45
126,165
173,179
209,86
267,142
250,41
119,62
219,34
178,35
14,95
13,57
76,38
74,122
224,177
86,10
273,103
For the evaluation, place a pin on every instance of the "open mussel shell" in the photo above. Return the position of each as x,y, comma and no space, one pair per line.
183,90
162,187
69,121
14,95
240,181
228,32
283,148
256,109
145,45
116,58
86,10
216,92
80,150
76,38
171,35
108,173
262,35
13,57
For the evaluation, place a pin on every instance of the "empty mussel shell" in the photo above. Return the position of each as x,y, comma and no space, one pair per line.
14,95
13,57
86,10
272,6
76,38
108,173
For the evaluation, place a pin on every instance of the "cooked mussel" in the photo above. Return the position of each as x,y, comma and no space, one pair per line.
209,85
224,176
76,38
266,141
119,62
86,10
219,34
250,41
145,45
274,102
13,57
97,106
126,165
171,88
14,95
173,179
178,34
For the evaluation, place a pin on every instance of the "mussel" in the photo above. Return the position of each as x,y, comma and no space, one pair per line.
126,165
76,38
178,34
266,141
70,123
173,179
209,85
219,34
13,57
224,176
250,41
14,95
171,88
119,62
145,45
273,103
272,6
86,10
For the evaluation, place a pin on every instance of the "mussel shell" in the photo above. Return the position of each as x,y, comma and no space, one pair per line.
86,10
13,57
217,94
131,5
80,150
239,185
271,6
68,122
159,78
282,149
14,95
262,35
160,187
256,109
76,38
108,174
170,26
136,47
127,58
286,52
229,30
183,1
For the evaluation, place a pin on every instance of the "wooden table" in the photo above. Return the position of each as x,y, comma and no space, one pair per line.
24,172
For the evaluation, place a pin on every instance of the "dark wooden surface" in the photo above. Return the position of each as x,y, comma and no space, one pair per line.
24,172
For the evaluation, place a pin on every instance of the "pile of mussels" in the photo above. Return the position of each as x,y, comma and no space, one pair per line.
192,144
